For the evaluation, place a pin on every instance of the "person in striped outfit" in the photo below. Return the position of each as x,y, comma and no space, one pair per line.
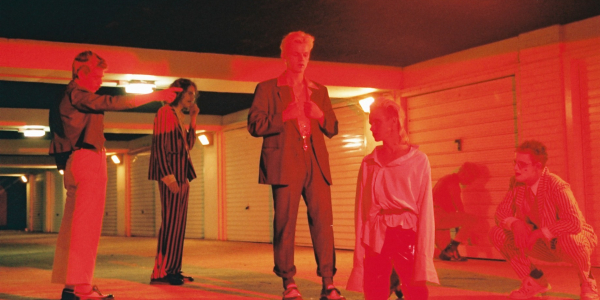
539,217
171,165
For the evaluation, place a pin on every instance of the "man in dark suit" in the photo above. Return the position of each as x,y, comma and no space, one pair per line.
292,114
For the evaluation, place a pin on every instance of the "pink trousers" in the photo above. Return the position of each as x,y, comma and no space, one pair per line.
77,245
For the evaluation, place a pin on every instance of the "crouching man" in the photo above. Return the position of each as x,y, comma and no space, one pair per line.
539,218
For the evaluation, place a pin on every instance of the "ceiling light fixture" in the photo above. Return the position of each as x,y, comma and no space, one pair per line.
365,104
115,159
205,138
34,131
140,87
24,178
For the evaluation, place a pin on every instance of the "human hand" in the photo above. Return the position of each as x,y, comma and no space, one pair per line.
173,187
291,111
169,94
521,234
533,237
312,110
194,110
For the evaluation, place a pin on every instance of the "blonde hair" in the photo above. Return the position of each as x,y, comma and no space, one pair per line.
391,109
299,37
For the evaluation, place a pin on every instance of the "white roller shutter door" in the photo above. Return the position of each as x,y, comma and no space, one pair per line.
482,117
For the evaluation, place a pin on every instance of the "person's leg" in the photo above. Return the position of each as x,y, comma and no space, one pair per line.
443,223
286,199
533,281
577,250
180,211
446,221
468,227
171,234
400,243
317,195
378,268
89,175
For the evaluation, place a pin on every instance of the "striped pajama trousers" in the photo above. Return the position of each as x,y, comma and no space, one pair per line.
575,249
169,252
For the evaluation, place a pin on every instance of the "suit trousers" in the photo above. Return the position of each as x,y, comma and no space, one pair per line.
574,248
169,252
311,185
77,245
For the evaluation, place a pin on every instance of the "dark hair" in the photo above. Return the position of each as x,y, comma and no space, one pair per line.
184,84
87,60
536,149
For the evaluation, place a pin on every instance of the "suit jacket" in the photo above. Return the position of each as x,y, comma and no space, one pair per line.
170,152
282,144
80,116
558,210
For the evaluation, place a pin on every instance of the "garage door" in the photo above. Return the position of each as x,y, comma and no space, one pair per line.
480,119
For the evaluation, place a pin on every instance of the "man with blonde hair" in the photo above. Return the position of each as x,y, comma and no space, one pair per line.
293,114
77,124
539,217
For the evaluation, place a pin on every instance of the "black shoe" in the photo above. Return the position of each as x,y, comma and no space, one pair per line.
172,279
399,293
185,278
67,294
449,255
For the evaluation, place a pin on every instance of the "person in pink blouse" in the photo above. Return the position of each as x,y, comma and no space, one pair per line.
539,217
394,222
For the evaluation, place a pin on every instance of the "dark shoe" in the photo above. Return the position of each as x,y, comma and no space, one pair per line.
67,294
185,278
292,293
94,294
331,293
452,256
399,294
172,279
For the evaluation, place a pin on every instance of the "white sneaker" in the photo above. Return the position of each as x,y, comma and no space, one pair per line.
589,290
529,289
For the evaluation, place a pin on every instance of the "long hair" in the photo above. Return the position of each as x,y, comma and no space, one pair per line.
184,84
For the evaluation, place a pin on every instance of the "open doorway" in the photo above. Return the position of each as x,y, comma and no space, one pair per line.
13,203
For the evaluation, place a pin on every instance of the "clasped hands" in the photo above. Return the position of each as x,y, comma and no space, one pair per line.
525,238
311,110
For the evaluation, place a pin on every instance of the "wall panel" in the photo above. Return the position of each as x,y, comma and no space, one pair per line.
346,151
143,196
248,203
109,223
195,215
482,116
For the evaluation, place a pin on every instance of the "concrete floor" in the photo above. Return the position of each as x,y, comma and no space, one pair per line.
235,270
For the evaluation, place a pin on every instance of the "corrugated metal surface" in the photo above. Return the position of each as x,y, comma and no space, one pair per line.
143,197
195,216
590,86
60,195
346,151
482,116
249,204
109,224
37,203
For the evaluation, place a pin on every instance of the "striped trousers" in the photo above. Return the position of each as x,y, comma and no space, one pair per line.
169,252
575,249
